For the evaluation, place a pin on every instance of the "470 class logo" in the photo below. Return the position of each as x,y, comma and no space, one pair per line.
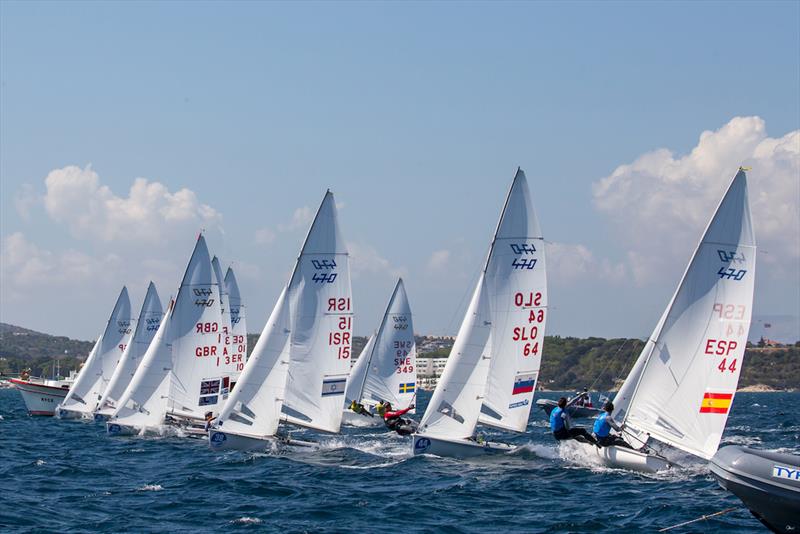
728,257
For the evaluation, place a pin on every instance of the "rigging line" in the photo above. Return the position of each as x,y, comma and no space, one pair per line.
701,518
608,363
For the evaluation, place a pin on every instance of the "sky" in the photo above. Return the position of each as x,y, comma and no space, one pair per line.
126,128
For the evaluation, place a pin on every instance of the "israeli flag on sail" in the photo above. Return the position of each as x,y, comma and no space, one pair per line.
333,386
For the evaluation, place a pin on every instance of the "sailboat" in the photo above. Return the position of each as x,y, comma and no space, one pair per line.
386,368
681,388
231,364
298,370
180,376
145,329
492,370
237,337
85,394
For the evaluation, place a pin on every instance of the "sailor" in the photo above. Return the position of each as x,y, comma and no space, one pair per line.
581,399
560,425
394,421
358,408
602,428
209,417
380,408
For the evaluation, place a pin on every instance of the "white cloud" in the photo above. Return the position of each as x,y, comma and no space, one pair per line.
365,259
570,263
439,261
301,218
24,265
660,203
25,200
149,214
264,236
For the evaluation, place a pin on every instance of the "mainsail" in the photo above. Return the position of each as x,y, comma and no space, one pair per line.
180,372
236,342
492,369
682,386
85,394
146,326
386,368
300,362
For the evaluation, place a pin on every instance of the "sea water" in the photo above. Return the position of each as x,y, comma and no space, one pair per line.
67,476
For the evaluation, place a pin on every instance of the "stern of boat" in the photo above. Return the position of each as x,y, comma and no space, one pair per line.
456,448
226,441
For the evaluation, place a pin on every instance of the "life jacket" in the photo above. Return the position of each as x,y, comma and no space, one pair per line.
556,420
602,428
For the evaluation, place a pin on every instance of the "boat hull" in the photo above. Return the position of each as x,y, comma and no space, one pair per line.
39,399
456,448
116,429
576,412
767,483
227,441
623,458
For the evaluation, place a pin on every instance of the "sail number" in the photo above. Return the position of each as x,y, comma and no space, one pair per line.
722,347
527,336
340,338
729,311
402,361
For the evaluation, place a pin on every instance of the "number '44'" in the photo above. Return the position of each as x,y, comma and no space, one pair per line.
722,365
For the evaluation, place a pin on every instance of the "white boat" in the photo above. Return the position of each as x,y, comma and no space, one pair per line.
180,376
492,370
144,331
386,370
85,394
43,395
681,388
298,369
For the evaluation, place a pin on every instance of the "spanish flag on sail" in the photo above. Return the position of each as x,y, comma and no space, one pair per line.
716,402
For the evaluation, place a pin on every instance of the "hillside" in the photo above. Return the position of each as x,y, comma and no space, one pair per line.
568,363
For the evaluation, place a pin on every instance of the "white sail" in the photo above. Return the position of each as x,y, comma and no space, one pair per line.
85,394
686,377
321,313
386,369
198,379
358,373
492,369
237,340
180,372
145,330
254,407
516,283
456,402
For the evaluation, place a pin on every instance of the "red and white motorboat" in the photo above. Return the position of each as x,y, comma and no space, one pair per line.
42,395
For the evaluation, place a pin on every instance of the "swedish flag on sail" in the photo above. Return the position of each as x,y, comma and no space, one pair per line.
407,387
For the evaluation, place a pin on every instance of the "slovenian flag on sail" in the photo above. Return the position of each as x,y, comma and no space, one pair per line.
407,387
333,386
716,402
523,384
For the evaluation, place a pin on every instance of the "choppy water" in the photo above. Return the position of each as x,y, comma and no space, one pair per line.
62,476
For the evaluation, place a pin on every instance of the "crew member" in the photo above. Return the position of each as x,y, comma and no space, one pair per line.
394,421
209,417
358,408
560,425
602,428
